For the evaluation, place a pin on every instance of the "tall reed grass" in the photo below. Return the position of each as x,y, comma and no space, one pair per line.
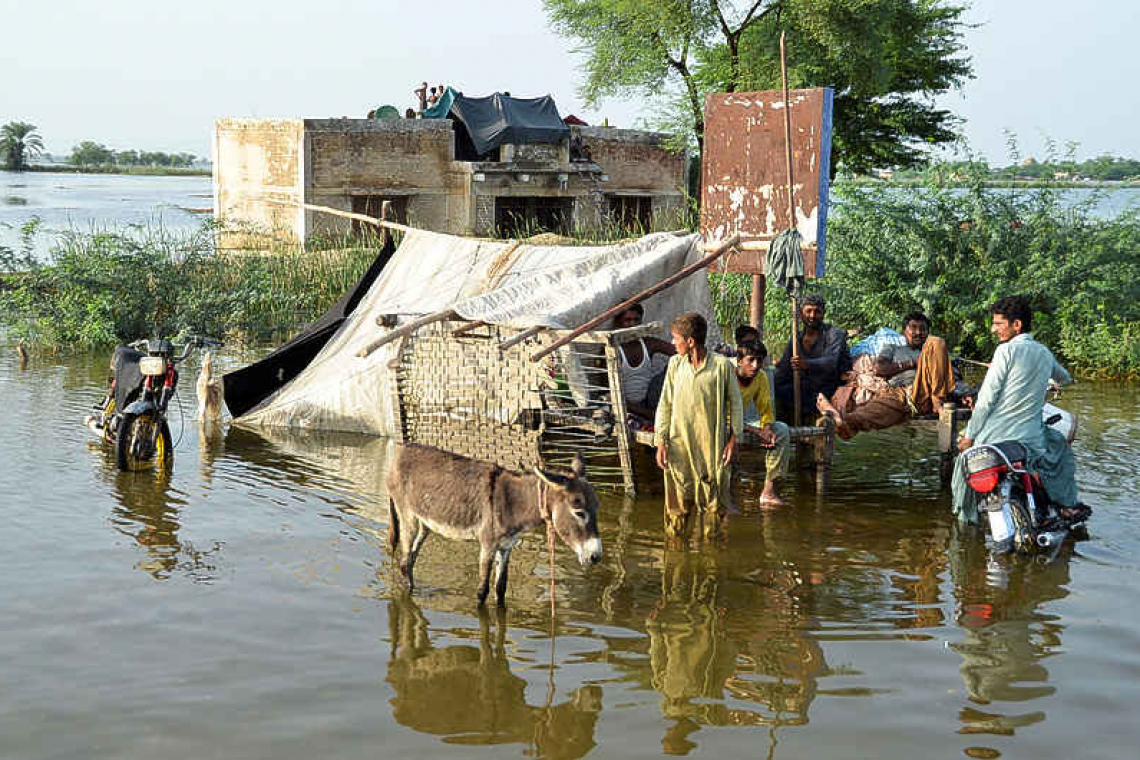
103,287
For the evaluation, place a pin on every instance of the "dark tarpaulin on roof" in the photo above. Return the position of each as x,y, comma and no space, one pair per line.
247,387
499,118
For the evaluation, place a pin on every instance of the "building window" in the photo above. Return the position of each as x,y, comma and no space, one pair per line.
371,205
523,216
632,212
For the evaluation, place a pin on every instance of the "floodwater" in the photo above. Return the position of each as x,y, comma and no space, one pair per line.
245,607
97,202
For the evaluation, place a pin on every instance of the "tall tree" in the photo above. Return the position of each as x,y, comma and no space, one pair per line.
19,141
886,59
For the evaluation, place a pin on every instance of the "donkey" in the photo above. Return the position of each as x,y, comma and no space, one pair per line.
460,498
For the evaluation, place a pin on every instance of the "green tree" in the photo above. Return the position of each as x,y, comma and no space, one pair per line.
19,142
886,60
88,153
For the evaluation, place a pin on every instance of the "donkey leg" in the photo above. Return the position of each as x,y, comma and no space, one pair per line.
504,561
486,561
417,543
393,526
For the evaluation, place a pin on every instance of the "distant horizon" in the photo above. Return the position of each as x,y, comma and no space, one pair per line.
1040,69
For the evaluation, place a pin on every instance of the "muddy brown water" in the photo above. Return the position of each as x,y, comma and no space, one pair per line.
245,606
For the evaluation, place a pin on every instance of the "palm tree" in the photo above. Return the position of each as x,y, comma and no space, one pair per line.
18,142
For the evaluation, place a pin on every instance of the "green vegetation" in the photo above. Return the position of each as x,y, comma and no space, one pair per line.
19,141
951,248
92,154
102,288
886,59
942,247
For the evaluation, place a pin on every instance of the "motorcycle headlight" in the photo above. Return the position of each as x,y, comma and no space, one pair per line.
152,365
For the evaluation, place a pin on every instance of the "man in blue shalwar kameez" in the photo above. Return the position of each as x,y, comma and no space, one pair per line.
1009,407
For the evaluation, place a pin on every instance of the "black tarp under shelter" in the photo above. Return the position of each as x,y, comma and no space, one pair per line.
499,118
247,387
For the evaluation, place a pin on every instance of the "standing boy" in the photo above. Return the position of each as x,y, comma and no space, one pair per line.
698,422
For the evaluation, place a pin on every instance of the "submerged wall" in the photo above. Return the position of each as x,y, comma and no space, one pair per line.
356,164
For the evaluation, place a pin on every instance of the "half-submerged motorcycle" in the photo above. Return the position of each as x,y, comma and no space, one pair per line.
1019,514
132,415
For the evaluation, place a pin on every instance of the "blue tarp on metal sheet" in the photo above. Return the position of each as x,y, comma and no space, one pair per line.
498,118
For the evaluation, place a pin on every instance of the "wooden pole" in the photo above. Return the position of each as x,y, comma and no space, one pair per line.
610,313
346,214
797,401
406,329
756,307
469,327
530,332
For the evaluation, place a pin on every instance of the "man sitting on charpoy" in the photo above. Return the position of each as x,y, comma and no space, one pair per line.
919,380
641,383
822,361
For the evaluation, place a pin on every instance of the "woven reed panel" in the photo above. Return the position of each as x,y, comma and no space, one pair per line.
464,395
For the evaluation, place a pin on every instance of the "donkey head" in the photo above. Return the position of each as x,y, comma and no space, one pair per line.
574,510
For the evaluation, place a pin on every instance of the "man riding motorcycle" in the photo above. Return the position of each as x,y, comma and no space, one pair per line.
1008,408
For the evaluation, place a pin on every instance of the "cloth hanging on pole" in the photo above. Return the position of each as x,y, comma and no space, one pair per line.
784,266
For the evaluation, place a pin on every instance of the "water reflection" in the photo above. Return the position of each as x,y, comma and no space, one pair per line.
718,646
468,694
999,607
149,512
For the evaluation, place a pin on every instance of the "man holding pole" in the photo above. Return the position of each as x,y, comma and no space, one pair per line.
699,420
823,358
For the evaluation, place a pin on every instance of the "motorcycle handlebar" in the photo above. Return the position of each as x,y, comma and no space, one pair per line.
192,342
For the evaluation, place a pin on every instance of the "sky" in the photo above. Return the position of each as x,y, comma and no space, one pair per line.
154,75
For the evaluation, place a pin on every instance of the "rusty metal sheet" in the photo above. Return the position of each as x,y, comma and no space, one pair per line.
744,176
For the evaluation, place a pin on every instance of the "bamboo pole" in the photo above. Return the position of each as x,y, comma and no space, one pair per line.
530,332
610,313
406,329
797,401
346,214
469,327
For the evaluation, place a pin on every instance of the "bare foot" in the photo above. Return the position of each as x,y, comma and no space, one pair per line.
826,407
769,497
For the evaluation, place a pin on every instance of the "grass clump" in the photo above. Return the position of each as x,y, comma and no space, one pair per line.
101,288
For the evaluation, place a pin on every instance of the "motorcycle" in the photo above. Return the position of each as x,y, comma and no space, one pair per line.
131,417
1019,514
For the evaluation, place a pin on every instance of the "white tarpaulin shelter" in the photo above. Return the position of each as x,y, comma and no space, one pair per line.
519,286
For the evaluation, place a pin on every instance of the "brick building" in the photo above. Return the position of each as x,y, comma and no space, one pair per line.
614,175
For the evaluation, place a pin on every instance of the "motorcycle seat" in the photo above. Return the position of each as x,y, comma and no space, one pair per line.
1013,450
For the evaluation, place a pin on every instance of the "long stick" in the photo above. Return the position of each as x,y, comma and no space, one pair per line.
797,400
530,332
346,214
610,313
406,329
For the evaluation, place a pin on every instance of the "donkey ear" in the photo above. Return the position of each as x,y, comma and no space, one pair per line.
578,466
545,478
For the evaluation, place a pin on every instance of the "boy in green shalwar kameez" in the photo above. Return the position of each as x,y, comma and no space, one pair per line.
695,440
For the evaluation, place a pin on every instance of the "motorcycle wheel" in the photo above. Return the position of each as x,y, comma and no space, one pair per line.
1024,538
142,442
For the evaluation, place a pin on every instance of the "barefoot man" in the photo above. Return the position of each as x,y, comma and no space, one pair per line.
698,422
919,376
771,435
